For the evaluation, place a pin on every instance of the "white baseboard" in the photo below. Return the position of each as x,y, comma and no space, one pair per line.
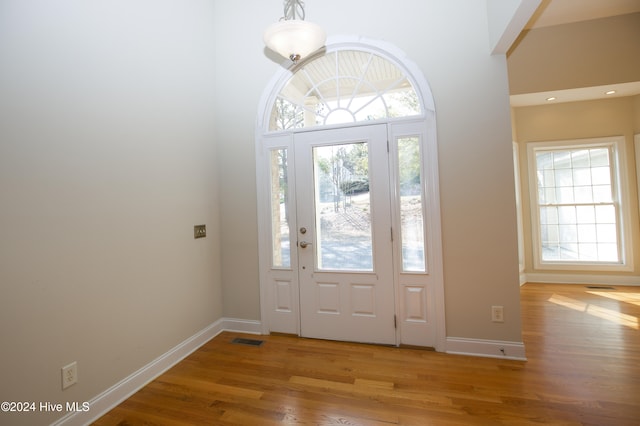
551,278
110,398
486,348
242,326
523,278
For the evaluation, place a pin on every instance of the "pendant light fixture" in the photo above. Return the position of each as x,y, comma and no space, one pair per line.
292,37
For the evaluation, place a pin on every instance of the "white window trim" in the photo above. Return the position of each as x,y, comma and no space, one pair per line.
636,145
518,193
621,189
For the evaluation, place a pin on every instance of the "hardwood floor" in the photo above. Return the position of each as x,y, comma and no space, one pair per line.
582,368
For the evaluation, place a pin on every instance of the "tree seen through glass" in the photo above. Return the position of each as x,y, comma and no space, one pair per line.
343,207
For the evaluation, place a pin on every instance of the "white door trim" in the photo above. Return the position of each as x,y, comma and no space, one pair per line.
286,317
338,301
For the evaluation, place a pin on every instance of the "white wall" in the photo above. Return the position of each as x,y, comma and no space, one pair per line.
449,41
107,160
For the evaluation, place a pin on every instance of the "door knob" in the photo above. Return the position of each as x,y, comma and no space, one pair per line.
304,244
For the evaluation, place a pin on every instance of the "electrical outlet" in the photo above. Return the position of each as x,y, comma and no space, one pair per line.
199,231
69,375
497,314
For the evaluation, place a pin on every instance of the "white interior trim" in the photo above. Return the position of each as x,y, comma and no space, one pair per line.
622,190
486,348
519,220
504,30
116,394
289,321
552,278
110,398
636,145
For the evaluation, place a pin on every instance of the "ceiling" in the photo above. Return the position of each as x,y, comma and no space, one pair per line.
558,12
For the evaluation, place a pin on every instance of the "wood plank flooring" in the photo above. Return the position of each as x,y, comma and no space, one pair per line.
582,368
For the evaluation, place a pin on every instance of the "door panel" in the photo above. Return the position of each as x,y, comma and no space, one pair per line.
344,235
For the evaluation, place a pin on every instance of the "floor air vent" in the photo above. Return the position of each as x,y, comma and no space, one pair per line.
248,342
600,287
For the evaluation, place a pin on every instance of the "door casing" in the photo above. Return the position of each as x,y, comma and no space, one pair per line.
339,301
419,298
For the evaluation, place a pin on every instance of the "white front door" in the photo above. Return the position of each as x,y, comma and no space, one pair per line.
344,240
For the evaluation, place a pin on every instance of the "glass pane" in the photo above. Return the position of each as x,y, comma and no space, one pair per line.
587,233
580,158
279,212
286,115
575,223
562,160
569,251
606,233
548,195
566,215
412,222
564,177
582,176
601,175
564,195
548,215
599,157
606,214
602,194
403,101
370,108
343,207
550,251
549,233
568,233
586,214
588,251
544,160
583,194
341,87
608,252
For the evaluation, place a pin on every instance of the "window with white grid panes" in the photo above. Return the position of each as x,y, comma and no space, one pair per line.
578,205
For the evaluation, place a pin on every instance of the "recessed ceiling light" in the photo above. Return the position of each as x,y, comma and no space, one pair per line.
552,98
610,92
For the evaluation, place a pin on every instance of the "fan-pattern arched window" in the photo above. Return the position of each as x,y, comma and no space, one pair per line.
345,86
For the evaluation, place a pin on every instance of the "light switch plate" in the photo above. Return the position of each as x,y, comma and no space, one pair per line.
199,231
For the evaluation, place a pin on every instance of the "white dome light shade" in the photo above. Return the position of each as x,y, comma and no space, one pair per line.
294,39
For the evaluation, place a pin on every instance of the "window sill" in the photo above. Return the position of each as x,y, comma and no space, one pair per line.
583,266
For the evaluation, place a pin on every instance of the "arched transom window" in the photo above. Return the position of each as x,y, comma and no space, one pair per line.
345,86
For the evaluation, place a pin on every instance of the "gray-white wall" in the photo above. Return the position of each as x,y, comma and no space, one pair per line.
107,160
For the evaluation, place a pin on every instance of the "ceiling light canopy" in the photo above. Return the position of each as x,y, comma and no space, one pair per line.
292,37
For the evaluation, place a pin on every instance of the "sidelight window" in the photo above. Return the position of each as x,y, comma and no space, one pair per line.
281,243
411,204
